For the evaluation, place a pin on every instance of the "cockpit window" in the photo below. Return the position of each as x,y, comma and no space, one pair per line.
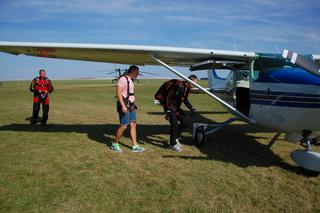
276,69
264,64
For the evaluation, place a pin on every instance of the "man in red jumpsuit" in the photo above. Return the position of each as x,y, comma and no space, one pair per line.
41,87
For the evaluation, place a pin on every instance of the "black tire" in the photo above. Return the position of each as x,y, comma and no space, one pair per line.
200,137
309,172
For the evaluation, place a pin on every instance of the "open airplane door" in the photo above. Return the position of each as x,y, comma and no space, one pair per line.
229,81
216,82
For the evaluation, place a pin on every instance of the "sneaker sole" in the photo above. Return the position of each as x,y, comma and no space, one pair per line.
138,151
177,150
115,149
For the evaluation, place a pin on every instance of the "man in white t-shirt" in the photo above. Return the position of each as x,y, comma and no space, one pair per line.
127,108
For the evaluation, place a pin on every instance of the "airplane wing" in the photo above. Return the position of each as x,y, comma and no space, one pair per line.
122,54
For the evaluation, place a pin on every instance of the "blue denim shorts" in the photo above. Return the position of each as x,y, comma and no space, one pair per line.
127,117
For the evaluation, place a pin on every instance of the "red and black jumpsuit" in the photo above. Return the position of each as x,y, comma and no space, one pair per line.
41,87
177,94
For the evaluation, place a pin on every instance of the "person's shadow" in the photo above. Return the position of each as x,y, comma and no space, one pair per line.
101,133
231,144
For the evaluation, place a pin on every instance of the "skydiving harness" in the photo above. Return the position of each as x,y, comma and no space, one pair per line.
162,94
42,95
130,106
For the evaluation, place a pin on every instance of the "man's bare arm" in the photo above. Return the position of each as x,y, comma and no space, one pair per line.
120,99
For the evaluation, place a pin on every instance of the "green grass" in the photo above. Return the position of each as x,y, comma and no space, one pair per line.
68,167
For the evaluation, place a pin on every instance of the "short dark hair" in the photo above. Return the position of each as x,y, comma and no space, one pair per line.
41,70
133,68
193,77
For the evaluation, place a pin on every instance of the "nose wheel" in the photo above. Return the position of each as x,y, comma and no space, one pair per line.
307,159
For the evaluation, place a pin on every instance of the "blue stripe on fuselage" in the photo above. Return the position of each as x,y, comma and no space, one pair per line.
285,104
285,99
265,92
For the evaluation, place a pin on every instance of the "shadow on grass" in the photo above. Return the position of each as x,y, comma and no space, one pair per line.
228,145
102,133
232,145
199,112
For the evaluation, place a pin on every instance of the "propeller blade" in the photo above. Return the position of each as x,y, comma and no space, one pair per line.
111,72
105,71
302,62
147,72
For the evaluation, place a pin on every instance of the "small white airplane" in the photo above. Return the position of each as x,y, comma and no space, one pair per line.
121,72
280,92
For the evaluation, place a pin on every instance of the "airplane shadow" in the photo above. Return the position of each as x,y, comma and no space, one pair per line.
199,112
230,144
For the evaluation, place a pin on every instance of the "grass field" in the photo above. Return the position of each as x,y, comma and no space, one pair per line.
68,166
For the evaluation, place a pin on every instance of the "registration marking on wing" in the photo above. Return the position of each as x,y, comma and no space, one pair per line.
45,52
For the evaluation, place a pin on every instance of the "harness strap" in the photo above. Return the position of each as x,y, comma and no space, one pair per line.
185,90
128,88
44,81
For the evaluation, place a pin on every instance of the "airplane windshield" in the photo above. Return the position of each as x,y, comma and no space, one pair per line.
278,70
264,64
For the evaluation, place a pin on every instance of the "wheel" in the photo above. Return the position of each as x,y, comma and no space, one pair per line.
200,137
309,172
308,160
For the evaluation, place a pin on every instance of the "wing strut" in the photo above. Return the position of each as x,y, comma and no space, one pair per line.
225,104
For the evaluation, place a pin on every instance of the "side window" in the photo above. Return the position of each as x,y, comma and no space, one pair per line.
255,75
256,70
242,75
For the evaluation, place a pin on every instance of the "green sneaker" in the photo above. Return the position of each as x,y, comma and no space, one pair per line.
137,148
116,147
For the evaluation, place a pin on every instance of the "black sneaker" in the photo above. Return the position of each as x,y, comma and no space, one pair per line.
44,124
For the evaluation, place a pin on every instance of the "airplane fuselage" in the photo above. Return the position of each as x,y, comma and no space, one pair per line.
284,98
277,95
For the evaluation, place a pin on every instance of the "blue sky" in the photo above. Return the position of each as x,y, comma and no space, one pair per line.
253,25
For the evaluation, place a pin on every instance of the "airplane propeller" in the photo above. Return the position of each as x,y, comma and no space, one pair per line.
122,71
303,62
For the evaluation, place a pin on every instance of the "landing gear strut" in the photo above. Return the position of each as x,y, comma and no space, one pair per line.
200,130
306,140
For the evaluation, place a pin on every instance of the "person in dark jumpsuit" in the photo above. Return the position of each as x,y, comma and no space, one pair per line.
177,94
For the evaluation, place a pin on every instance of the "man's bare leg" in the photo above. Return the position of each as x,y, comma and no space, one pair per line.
120,132
133,133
